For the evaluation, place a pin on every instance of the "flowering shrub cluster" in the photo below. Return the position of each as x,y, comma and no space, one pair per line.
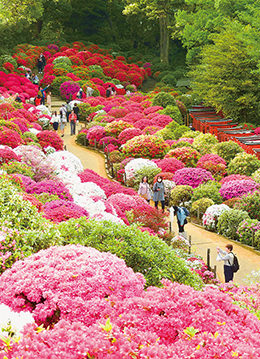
238,188
192,177
145,146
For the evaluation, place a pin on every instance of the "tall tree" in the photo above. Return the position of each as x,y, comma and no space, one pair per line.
162,11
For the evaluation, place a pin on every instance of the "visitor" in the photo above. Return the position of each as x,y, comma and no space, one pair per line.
80,94
144,189
17,98
55,120
90,91
42,57
28,74
181,213
158,193
63,112
42,94
48,100
191,127
35,79
63,121
72,120
37,100
228,257
68,109
40,65
113,91
108,91
76,111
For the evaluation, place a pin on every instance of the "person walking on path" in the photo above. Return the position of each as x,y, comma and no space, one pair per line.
76,111
72,120
55,120
228,257
68,109
41,93
40,65
48,100
144,189
63,112
181,213
158,193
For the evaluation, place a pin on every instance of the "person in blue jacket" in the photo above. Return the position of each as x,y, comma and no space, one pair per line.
158,193
181,213
42,94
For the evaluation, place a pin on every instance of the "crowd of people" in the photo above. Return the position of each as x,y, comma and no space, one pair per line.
66,113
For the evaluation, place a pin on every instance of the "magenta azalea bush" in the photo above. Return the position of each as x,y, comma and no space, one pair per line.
60,210
128,134
68,89
94,134
7,155
50,138
238,188
169,164
51,187
192,177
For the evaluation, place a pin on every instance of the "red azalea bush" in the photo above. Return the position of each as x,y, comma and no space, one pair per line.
214,164
7,155
34,201
238,188
187,155
116,127
169,164
50,138
192,177
60,210
165,176
10,138
128,134
143,146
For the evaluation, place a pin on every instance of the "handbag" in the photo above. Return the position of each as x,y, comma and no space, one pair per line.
144,196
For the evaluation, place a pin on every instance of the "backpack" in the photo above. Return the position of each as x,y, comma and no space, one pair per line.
235,265
187,213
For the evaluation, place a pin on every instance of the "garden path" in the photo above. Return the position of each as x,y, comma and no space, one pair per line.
201,239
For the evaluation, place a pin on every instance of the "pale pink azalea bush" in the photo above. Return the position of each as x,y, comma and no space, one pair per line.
238,188
192,176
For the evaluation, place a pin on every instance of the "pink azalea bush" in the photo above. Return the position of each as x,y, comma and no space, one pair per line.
192,177
10,138
236,177
169,164
95,133
50,138
7,155
51,187
128,134
238,188
148,146
79,279
189,156
68,89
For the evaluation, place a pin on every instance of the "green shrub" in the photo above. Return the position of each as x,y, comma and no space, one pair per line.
169,79
191,134
116,156
227,150
251,204
142,252
210,190
181,144
7,58
46,197
18,167
163,99
257,240
173,112
243,164
62,60
200,206
81,139
179,131
55,86
256,176
247,229
229,221
31,135
204,143
180,194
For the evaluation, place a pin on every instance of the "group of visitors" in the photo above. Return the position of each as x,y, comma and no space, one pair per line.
70,114
43,94
32,77
110,91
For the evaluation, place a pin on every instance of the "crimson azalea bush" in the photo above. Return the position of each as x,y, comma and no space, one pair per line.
10,138
189,156
7,155
145,146
50,138
128,134
192,177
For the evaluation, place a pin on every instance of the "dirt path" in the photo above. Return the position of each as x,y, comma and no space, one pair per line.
201,239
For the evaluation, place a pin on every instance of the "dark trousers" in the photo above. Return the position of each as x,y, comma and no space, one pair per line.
228,272
156,204
42,100
72,128
181,227
67,116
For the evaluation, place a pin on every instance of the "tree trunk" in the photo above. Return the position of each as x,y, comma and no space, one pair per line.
164,39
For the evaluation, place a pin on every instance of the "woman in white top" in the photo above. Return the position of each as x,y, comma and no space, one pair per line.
144,189
55,120
228,258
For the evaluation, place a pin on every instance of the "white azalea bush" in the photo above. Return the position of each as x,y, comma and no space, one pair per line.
136,165
212,214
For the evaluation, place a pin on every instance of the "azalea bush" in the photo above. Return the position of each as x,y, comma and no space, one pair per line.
170,164
192,176
243,164
214,164
212,214
238,188
114,128
18,167
7,155
128,134
187,155
200,206
50,138
180,194
204,143
246,230
227,150
210,190
250,204
146,146
60,210
229,221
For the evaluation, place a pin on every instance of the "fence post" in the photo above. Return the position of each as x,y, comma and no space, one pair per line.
253,238
170,227
189,244
112,169
198,213
208,258
95,141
